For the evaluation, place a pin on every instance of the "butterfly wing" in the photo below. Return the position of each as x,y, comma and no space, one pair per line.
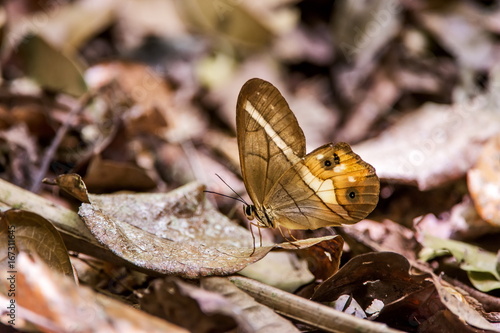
270,140
329,187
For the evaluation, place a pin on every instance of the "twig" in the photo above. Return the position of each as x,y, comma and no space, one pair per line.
61,132
306,311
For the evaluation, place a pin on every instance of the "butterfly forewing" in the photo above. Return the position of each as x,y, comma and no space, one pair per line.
270,140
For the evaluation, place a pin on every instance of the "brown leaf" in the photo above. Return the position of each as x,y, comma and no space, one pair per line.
72,184
484,182
459,305
107,175
323,258
381,236
382,276
55,304
29,232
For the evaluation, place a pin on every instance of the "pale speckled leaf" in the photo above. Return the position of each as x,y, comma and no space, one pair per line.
177,233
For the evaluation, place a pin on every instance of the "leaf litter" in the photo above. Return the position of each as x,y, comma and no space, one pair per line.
412,85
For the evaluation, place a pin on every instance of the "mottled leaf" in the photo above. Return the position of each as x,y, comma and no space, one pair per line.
177,233
29,232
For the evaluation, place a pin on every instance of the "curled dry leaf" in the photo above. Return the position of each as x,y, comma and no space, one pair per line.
72,185
459,305
29,232
178,233
382,276
435,144
55,304
484,182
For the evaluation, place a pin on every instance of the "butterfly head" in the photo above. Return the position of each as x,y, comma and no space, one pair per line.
251,212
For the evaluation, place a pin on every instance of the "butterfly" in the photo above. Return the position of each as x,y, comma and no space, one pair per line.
330,186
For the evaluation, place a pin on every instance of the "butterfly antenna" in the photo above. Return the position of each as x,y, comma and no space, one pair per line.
238,197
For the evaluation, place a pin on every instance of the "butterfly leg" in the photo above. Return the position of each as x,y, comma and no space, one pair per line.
258,226
290,239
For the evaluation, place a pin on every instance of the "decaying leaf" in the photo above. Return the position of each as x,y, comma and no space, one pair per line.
54,303
381,276
178,233
72,185
484,182
458,304
29,232
381,237
481,266
323,258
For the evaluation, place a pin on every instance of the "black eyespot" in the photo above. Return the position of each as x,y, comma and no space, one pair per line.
248,210
352,195
327,163
336,158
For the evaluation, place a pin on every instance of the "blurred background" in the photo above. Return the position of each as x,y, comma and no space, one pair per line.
140,95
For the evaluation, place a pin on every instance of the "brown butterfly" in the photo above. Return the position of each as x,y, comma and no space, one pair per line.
330,186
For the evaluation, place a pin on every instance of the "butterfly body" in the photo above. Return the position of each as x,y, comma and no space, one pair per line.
328,187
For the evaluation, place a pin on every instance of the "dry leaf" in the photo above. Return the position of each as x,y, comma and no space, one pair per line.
26,231
458,304
55,304
109,176
323,258
177,233
484,182
462,222
381,236
382,276
230,19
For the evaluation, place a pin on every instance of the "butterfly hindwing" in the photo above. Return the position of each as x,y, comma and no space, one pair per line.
331,186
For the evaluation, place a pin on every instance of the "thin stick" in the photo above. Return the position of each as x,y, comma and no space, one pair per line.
61,132
307,311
